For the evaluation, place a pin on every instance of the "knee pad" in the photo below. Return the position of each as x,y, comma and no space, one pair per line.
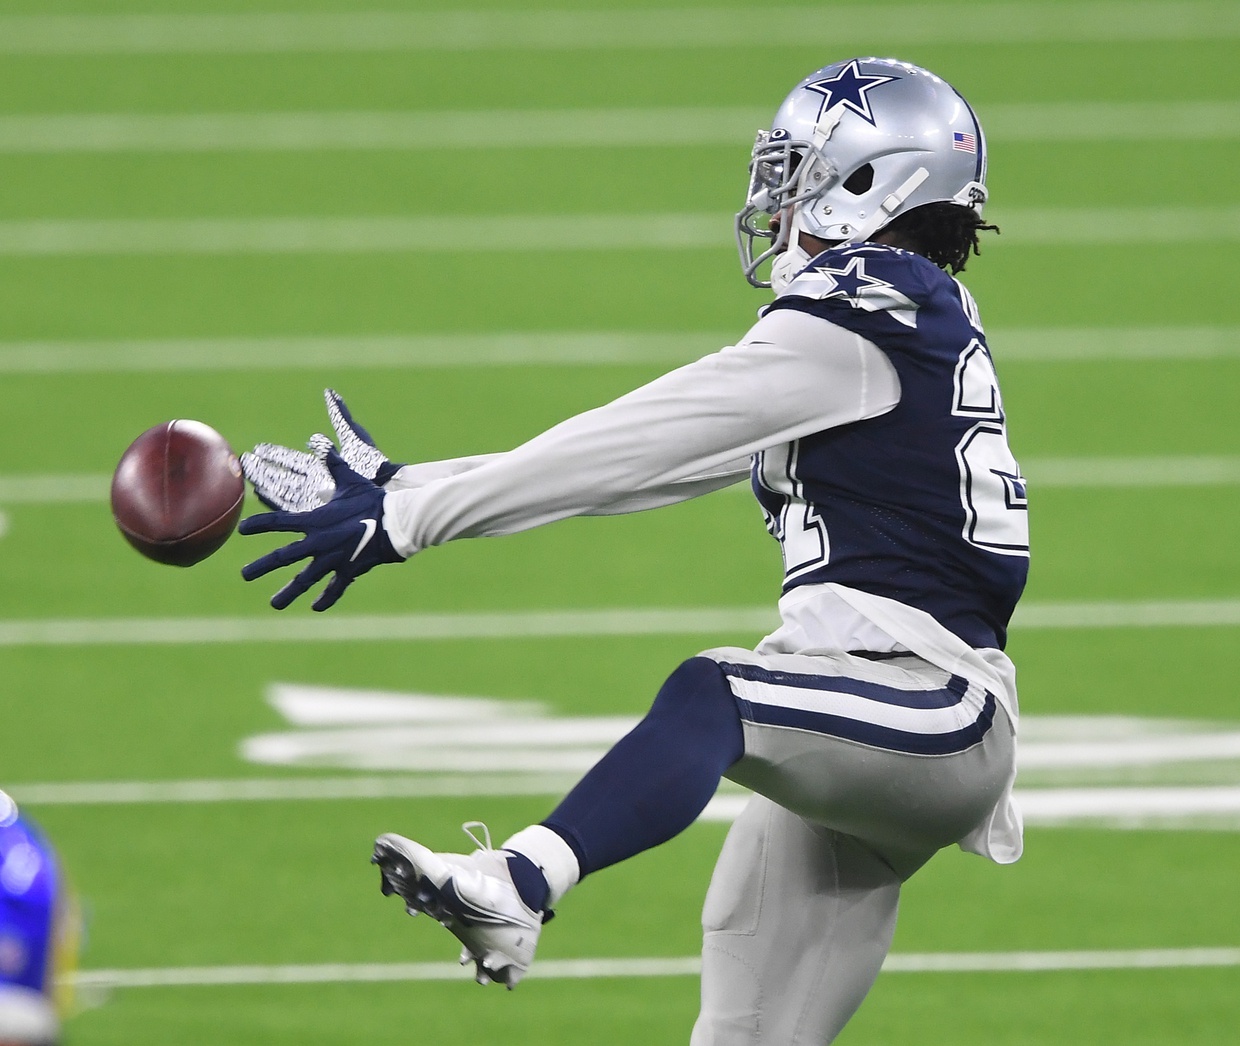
698,695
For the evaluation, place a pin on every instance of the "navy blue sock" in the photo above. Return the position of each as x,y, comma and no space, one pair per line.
657,779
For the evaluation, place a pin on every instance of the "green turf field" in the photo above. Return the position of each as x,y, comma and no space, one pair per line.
215,217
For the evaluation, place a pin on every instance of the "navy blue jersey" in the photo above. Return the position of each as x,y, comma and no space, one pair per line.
924,504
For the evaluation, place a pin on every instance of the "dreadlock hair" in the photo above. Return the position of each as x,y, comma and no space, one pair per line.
946,233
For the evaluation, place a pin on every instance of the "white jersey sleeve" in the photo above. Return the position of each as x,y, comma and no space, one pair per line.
410,477
686,433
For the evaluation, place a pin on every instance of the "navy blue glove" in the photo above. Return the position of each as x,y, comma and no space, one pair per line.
346,536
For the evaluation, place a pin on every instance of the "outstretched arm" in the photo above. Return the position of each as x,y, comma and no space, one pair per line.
410,477
683,434
792,375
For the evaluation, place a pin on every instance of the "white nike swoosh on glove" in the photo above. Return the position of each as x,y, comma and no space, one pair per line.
368,527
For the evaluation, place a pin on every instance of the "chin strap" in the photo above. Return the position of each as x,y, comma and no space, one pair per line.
791,261
889,206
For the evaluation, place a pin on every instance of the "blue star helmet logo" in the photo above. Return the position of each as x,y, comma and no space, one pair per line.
850,88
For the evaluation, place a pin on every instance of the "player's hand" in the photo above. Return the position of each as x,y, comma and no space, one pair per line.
294,481
345,536
286,479
356,446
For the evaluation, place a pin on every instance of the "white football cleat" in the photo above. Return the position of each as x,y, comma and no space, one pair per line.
472,895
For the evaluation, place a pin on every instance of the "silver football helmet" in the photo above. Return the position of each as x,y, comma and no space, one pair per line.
855,144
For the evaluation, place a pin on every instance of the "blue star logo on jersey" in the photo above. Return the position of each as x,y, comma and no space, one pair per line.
852,284
850,88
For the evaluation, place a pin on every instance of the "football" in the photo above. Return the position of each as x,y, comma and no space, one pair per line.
177,492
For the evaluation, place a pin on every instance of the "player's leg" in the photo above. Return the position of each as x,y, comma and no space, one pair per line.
865,768
656,780
898,753
797,922
650,786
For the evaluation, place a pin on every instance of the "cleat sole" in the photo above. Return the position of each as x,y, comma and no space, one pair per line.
400,875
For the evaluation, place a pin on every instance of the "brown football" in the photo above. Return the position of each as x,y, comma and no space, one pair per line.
177,492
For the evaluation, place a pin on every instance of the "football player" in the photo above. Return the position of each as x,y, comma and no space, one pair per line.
38,933
877,724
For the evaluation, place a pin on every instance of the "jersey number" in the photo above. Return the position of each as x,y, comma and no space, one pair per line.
801,532
992,489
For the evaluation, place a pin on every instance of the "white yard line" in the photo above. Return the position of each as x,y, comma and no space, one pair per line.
687,966
1088,344
1049,345
1125,807
363,235
564,128
1110,121
440,745
332,973
1168,613
288,789
1169,471
1025,962
54,489
352,628
1171,806
1128,807
431,131
1112,226
1045,473
897,24
439,350
403,627
550,232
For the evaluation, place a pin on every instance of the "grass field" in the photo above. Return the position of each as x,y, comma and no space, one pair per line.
216,217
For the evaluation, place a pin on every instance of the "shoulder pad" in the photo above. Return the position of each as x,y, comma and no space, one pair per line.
866,276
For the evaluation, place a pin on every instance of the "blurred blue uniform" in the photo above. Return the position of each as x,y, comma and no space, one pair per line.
38,933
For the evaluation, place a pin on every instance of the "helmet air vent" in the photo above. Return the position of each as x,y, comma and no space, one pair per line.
861,180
